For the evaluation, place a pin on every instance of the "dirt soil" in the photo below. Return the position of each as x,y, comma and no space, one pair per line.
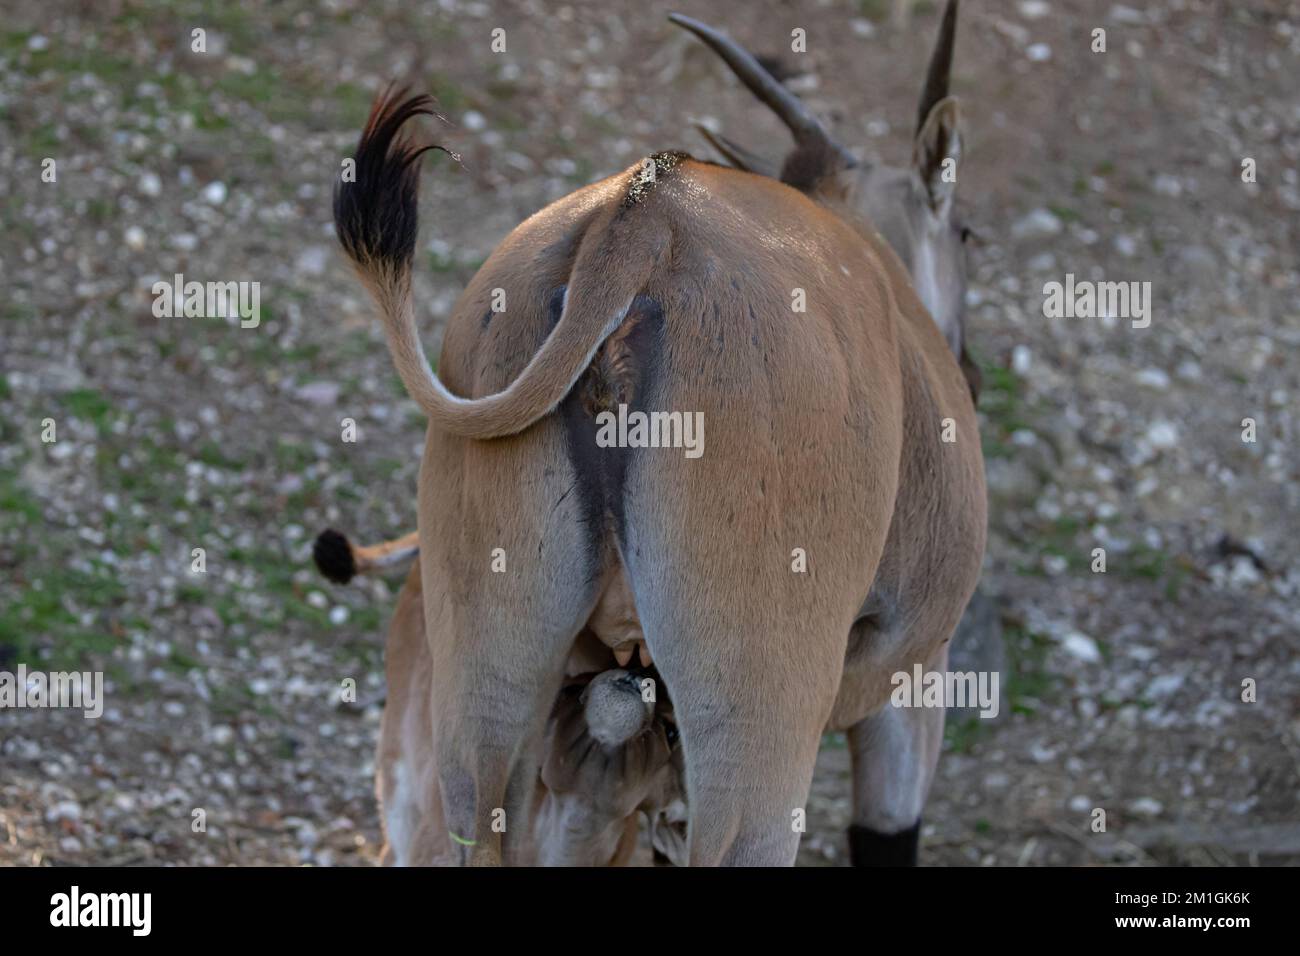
1124,689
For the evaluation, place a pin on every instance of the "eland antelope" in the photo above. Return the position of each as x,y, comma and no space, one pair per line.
829,538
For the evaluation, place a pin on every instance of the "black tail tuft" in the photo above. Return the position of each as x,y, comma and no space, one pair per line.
333,556
376,216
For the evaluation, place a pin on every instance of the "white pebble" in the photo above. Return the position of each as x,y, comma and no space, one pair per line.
1040,222
221,735
1153,378
1080,645
215,192
1147,807
1162,435
1021,359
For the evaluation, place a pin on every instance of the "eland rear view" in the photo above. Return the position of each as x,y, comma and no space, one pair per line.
828,536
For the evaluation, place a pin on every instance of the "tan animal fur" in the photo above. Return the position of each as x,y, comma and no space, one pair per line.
825,439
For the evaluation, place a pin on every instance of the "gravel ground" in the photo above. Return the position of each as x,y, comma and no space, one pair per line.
1123,689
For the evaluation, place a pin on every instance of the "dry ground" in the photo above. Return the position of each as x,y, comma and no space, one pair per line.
1124,688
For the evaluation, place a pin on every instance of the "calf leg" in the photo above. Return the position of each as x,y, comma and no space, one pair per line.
405,774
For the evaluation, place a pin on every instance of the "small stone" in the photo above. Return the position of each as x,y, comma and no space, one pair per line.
63,810
319,393
214,192
221,735
135,238
1122,14
1041,753
1041,222
1147,807
1153,378
1164,685
151,184
1242,572
1162,435
313,260
1038,53
1167,185
1021,359
1080,645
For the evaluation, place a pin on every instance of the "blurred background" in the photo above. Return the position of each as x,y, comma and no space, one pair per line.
1120,690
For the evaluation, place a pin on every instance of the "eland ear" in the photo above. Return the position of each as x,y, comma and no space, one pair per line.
936,154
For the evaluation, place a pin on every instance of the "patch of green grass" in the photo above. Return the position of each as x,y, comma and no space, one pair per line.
1002,407
259,88
215,456
13,42
42,141
40,621
99,210
277,572
153,479
1059,539
1064,213
182,663
18,311
16,501
1154,565
442,264
115,70
874,10
351,100
1028,681
388,467
89,405
292,455
451,99
961,734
